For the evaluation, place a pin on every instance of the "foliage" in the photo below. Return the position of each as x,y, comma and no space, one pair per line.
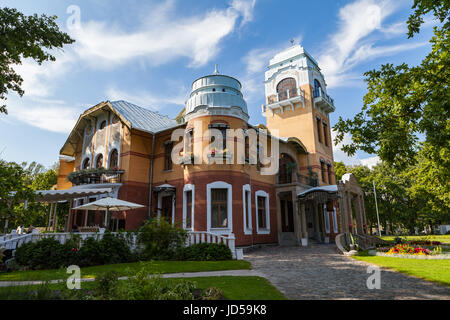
146,286
339,169
161,239
205,252
91,171
25,37
405,119
107,283
212,294
50,254
1,255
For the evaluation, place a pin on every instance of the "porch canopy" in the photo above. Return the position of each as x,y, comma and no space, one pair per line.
321,194
51,196
165,188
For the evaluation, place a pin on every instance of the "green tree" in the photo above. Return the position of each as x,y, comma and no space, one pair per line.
339,169
24,37
405,117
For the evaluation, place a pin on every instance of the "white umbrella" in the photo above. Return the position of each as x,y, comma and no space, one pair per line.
109,204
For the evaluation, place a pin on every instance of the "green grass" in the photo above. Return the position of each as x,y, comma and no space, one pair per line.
432,270
442,238
124,269
233,288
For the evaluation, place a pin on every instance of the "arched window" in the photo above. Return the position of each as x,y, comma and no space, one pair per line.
99,162
317,88
113,159
287,165
287,88
103,125
86,164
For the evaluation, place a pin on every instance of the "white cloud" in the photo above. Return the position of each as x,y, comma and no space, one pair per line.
50,115
162,37
370,162
148,99
351,43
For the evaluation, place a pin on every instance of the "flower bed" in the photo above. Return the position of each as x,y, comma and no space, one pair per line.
407,249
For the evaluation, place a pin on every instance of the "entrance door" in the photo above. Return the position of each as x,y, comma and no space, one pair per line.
287,215
166,208
310,219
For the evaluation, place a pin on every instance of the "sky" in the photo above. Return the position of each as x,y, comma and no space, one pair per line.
150,52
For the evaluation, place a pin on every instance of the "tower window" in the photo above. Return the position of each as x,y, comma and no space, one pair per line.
325,133
319,129
324,171
287,88
330,176
317,89
86,164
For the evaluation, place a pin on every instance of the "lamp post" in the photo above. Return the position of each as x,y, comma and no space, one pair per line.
376,206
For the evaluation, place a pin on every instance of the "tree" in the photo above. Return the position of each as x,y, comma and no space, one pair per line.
405,117
25,37
339,169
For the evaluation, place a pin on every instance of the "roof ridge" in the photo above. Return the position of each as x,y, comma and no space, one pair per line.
143,108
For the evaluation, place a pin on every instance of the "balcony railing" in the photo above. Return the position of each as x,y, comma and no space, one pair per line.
95,176
319,93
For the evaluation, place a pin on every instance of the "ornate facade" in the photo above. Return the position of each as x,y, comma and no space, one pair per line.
130,150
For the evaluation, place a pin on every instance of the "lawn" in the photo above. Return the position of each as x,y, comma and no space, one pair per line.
442,238
233,288
432,270
125,268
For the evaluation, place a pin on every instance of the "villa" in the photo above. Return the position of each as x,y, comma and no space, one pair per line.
119,149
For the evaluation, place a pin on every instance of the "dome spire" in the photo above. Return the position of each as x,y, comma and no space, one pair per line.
216,69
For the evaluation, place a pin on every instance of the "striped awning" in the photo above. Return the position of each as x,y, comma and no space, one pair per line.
69,194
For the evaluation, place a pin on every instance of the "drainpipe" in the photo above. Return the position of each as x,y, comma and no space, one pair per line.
150,194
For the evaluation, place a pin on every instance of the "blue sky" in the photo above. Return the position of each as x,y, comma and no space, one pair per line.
149,52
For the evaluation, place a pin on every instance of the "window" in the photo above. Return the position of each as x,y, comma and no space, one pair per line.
323,170
219,207
99,162
219,216
326,220
319,129
286,168
262,212
188,207
113,159
168,156
335,222
317,89
223,130
325,133
86,164
286,89
247,208
330,173
103,125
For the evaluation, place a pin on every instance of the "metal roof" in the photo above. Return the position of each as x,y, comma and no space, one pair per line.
143,119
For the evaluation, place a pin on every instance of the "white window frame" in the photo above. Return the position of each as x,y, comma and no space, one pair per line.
247,203
264,194
188,187
220,185
326,217
335,222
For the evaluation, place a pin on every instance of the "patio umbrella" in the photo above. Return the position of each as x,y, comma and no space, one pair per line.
109,204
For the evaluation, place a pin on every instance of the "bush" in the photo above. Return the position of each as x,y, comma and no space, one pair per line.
205,252
107,283
50,254
161,239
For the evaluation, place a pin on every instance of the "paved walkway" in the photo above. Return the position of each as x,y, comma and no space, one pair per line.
233,273
319,272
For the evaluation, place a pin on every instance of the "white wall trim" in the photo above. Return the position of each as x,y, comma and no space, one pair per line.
261,193
247,203
188,187
335,223
326,217
220,185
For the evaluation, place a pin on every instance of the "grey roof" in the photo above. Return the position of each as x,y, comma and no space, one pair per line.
143,119
328,189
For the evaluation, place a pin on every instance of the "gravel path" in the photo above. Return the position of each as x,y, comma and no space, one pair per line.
319,272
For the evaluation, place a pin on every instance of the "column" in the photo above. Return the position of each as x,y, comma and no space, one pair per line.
303,225
295,213
279,213
316,222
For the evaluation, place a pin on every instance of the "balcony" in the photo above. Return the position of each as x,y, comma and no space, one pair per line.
323,101
296,178
284,99
95,176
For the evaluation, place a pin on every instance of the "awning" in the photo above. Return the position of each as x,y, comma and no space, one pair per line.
325,193
165,188
69,194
